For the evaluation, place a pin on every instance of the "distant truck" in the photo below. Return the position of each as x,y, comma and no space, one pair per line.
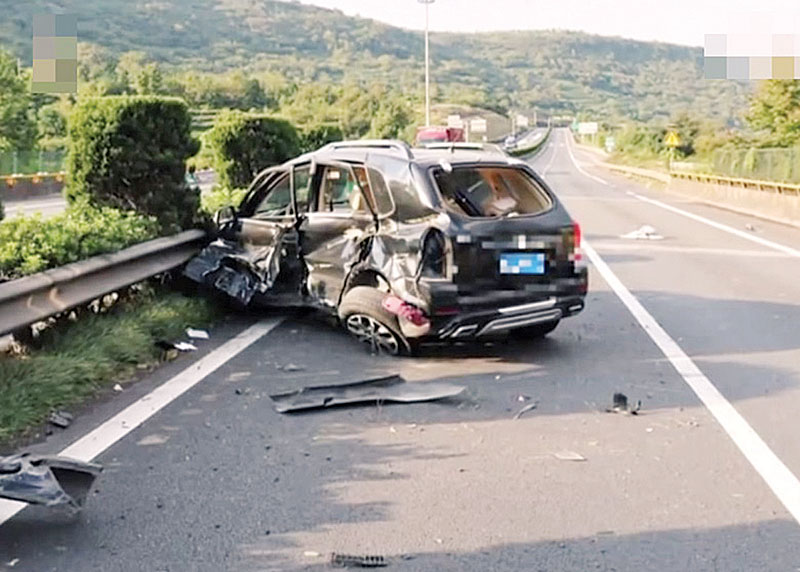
436,134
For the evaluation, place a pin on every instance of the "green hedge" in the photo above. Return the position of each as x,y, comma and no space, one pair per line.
130,153
245,144
30,244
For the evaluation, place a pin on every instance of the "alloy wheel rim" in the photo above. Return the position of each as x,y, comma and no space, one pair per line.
370,331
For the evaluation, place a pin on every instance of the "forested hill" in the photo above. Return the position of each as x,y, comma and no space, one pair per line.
550,70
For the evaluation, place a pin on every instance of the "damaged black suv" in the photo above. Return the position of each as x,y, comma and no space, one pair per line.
404,245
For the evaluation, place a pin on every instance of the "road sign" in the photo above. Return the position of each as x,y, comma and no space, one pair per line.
672,140
611,144
522,121
455,121
588,128
478,125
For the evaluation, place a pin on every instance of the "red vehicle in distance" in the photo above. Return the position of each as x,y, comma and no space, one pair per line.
436,134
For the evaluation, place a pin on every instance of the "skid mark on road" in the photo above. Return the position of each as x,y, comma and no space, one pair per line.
100,439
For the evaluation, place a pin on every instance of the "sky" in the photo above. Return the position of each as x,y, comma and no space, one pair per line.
675,21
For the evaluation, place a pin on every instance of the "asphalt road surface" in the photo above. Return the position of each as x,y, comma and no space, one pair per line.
52,205
703,327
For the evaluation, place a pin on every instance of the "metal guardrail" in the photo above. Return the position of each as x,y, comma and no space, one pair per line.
532,150
37,297
709,179
768,186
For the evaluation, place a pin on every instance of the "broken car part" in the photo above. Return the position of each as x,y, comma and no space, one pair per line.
46,480
645,232
380,390
62,419
620,405
350,561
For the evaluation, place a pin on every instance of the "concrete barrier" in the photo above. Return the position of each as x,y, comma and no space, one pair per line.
764,199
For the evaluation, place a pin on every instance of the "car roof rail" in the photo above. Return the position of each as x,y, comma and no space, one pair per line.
393,144
454,145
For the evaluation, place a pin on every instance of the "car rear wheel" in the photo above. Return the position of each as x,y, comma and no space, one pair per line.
363,315
538,330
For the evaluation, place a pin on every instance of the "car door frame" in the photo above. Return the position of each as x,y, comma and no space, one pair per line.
328,292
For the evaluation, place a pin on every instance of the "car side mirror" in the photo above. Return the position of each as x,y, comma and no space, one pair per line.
224,216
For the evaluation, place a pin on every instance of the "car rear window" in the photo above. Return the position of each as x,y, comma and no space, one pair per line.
491,191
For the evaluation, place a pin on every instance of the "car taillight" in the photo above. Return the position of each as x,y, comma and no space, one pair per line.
577,253
434,255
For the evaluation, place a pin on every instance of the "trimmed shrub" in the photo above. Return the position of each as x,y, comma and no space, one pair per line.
30,244
218,197
315,137
130,153
245,144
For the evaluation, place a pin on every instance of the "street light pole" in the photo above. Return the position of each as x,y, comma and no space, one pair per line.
427,61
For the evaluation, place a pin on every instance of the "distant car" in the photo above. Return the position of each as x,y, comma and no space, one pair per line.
437,134
510,143
403,245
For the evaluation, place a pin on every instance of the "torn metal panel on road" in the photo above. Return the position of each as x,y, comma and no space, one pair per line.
384,389
46,480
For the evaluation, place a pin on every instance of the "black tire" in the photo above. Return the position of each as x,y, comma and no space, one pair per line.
536,331
362,314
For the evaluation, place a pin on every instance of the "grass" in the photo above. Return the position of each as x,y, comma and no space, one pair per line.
77,360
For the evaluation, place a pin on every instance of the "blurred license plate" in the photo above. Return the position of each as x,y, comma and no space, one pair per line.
522,263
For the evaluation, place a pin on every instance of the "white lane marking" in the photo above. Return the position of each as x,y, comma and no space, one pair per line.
719,226
552,158
101,438
654,248
777,476
581,169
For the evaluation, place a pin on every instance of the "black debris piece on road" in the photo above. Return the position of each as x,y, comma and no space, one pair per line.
349,561
524,410
62,419
380,390
46,480
621,405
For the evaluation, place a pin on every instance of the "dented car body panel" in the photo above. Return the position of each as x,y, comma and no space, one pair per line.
410,224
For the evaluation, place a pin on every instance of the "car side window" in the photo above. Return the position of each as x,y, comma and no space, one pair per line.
277,202
381,196
302,187
339,192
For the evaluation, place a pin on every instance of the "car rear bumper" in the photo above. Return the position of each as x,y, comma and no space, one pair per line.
497,321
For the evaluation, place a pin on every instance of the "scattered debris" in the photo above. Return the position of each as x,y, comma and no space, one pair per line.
645,232
621,405
750,227
290,367
349,561
117,387
176,346
61,419
311,554
12,563
197,334
569,456
383,389
46,480
524,410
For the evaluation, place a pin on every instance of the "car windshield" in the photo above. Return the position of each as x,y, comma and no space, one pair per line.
491,191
